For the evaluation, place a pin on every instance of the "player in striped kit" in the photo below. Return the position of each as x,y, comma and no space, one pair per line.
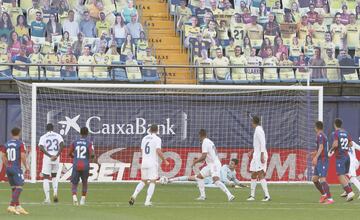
13,156
81,150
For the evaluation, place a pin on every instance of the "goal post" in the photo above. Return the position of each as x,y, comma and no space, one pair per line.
118,116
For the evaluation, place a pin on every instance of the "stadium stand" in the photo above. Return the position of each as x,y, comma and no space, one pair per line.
283,33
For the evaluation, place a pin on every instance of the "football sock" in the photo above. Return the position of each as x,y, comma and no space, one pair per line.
319,187
150,192
201,186
55,184
74,189
46,187
348,189
356,182
138,189
222,186
84,188
326,189
15,197
252,187
265,187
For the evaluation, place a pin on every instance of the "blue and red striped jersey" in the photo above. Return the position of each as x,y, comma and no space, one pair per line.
13,149
81,150
321,138
343,138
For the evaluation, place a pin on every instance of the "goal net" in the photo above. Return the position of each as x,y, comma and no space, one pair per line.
119,115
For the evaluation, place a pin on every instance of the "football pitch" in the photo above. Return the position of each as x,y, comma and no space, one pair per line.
176,202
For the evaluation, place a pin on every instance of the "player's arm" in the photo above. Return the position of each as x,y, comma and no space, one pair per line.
161,155
71,151
23,157
317,154
92,152
261,136
3,156
201,159
61,145
42,148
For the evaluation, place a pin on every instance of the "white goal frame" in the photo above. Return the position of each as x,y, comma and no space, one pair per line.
35,86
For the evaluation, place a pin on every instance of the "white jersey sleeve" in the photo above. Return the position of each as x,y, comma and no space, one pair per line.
149,146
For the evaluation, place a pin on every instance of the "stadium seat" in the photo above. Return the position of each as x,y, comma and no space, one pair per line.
150,75
351,78
119,74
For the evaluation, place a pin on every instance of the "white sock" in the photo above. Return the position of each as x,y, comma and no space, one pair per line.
222,186
201,186
46,187
138,189
356,182
252,187
75,198
55,184
150,192
264,187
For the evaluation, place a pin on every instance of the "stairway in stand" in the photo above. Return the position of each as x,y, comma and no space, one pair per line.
162,36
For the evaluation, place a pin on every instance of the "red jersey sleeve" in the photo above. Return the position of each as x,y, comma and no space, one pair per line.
336,136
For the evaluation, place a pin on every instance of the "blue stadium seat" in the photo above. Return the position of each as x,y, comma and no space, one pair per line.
119,74
150,75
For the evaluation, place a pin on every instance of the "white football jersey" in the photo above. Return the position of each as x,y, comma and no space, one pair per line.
259,143
209,147
51,142
352,152
149,144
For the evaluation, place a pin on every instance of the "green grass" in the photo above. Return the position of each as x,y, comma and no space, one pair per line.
176,202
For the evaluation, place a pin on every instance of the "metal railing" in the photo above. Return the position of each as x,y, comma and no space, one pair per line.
158,73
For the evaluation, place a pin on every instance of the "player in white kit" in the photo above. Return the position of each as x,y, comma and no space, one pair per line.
212,168
354,165
51,144
258,162
150,151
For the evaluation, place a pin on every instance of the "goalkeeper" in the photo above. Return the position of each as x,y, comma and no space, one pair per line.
227,176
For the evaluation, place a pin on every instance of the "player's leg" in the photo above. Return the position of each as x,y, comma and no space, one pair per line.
84,175
19,183
253,183
342,168
215,173
12,205
153,176
264,185
204,172
317,184
150,192
326,190
75,178
55,181
354,165
46,172
182,178
140,185
254,178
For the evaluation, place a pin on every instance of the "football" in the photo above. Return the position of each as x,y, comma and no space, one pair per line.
164,180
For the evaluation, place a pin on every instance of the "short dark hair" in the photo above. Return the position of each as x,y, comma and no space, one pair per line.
319,125
202,132
154,128
256,119
338,122
49,127
15,131
84,131
236,161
